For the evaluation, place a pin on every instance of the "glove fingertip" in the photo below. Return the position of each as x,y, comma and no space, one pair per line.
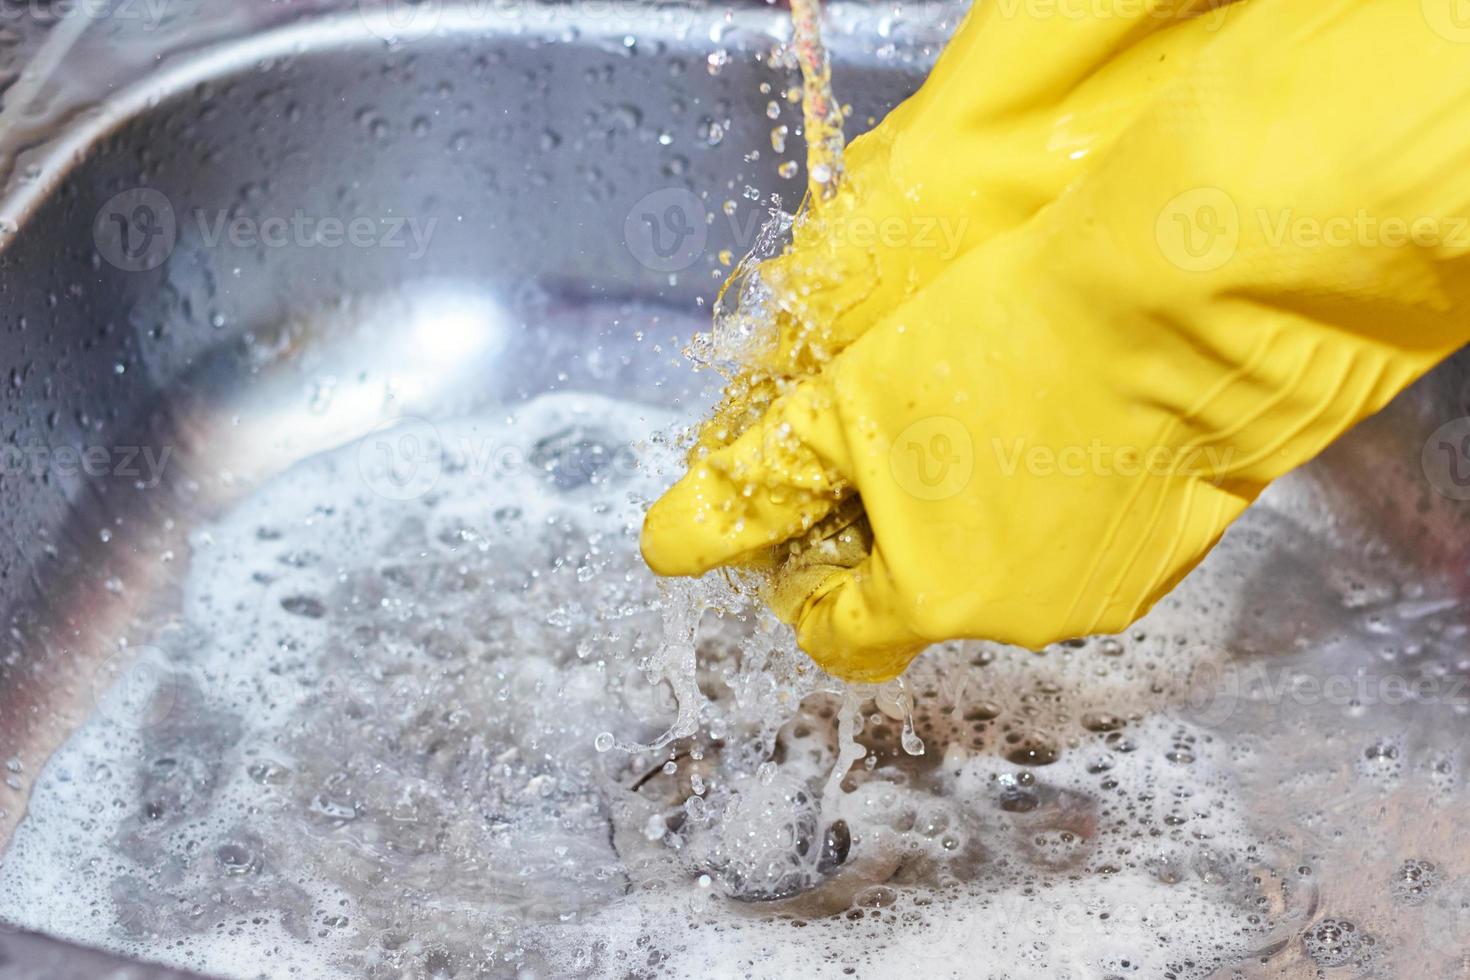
840,629
674,540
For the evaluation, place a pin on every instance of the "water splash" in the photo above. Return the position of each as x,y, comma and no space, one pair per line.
895,701
747,311
849,750
681,604
744,321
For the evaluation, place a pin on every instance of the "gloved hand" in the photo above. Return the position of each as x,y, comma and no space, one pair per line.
1016,110
1050,432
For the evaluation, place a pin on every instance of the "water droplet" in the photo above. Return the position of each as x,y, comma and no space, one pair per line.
1031,749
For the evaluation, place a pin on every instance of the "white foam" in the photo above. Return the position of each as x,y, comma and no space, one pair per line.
370,751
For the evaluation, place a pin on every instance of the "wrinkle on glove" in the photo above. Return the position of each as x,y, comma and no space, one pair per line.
1048,429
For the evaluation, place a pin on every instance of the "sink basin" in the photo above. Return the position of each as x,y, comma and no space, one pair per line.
338,253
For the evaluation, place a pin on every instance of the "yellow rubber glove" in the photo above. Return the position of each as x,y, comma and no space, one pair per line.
1015,110
1058,426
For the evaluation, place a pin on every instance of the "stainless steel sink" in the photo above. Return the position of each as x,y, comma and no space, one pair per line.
248,256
